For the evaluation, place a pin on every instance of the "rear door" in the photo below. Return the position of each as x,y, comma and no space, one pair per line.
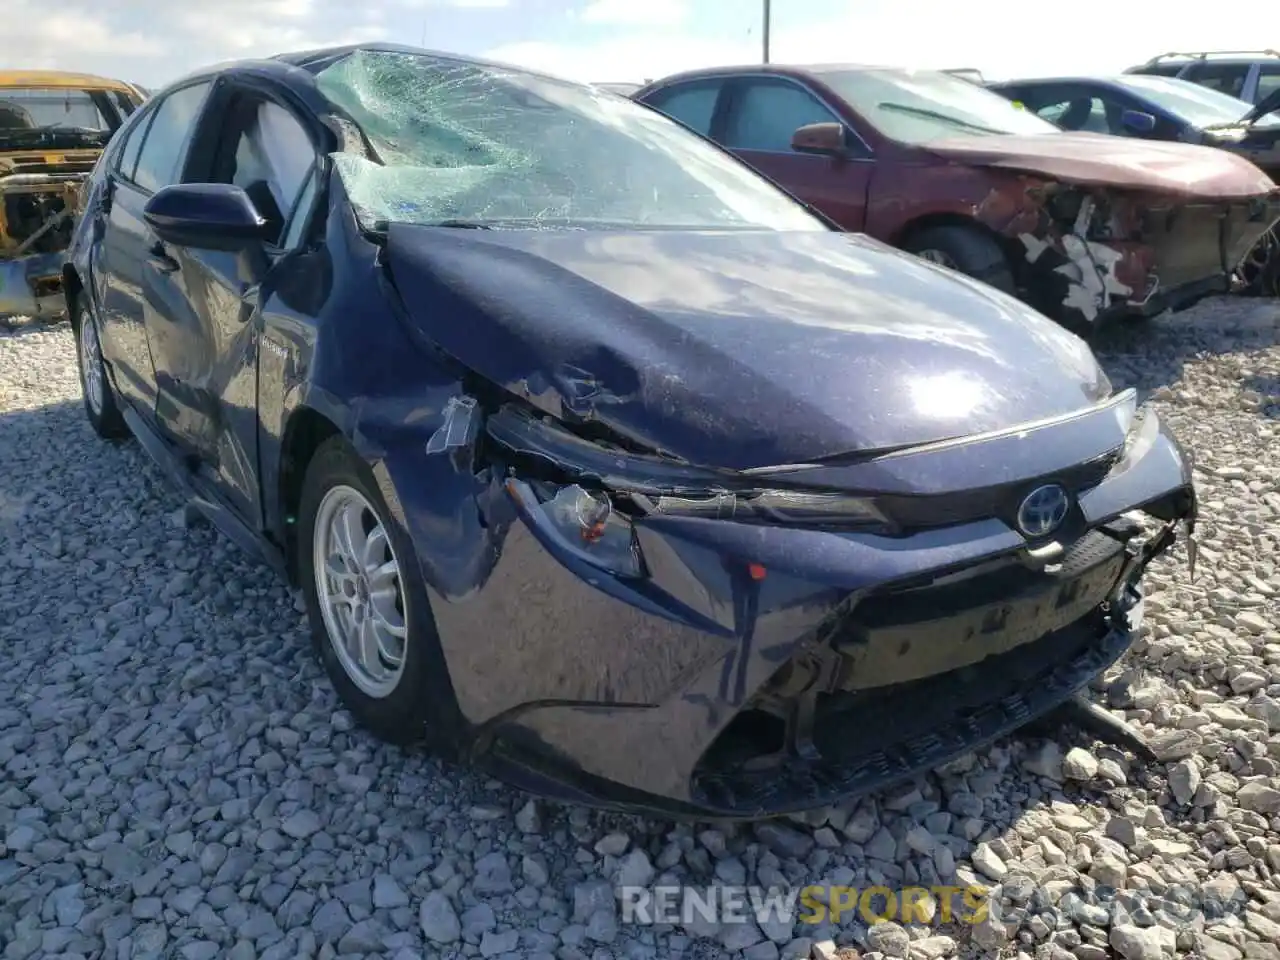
123,285
757,124
260,145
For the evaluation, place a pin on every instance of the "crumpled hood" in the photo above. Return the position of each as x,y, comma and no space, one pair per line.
1183,169
739,349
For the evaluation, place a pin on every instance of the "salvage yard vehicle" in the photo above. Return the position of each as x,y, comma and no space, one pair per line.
53,126
1082,228
1164,108
601,463
1250,75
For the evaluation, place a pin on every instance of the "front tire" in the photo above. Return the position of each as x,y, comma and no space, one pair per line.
966,249
100,404
371,620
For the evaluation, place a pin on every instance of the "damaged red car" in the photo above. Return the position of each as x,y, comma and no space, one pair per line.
1081,226
601,463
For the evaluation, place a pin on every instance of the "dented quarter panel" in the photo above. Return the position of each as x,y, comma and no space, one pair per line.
918,189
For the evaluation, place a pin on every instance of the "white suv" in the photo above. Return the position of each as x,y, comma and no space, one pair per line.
1247,75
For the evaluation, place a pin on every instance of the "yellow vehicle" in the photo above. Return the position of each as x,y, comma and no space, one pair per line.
53,127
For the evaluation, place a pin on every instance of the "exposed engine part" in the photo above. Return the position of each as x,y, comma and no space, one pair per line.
1088,716
1260,272
38,222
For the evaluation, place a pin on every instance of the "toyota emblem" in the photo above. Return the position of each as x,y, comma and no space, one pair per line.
1043,510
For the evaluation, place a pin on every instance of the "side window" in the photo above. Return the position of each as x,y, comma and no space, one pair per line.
693,105
132,145
1226,78
166,143
273,159
1268,82
1053,111
767,112
1078,113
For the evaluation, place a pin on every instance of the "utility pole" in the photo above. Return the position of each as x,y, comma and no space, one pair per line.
766,31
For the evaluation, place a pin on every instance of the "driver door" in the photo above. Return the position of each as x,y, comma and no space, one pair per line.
266,150
761,116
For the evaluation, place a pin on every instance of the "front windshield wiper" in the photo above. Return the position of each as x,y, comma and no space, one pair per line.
935,115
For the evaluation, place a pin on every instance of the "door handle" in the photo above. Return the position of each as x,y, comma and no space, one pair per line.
158,258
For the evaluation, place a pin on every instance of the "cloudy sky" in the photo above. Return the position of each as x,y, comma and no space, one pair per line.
153,41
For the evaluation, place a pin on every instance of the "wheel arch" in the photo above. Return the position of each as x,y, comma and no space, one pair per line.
950,218
305,430
72,288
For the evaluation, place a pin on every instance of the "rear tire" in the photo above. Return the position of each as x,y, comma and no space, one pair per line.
100,404
966,249
379,646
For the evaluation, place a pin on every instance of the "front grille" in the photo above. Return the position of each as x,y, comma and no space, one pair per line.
866,742
924,671
916,513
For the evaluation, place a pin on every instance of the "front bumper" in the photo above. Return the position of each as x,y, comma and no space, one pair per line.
1174,255
593,689
32,286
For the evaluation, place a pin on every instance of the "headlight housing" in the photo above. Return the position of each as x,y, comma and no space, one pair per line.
583,523
589,526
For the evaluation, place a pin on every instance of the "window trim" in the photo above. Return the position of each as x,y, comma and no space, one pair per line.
228,90
154,107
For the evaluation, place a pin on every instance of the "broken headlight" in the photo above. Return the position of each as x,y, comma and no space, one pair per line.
583,523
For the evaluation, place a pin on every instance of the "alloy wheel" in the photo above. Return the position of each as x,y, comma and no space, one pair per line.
360,592
91,364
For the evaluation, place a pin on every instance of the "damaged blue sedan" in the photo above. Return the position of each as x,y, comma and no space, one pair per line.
603,464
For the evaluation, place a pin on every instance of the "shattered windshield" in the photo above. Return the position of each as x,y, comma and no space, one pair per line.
916,106
36,109
466,144
1198,105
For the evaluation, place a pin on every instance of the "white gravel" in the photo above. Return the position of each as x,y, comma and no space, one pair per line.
177,780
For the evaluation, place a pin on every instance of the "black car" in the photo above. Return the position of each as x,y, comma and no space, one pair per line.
1163,108
601,462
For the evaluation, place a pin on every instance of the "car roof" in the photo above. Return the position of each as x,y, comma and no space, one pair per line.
784,70
1107,78
61,80
296,70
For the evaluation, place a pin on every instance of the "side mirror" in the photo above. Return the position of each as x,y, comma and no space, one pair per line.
207,216
1135,121
822,138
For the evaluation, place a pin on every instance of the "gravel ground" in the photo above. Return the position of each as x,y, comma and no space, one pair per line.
179,781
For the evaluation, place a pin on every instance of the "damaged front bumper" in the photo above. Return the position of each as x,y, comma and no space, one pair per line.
733,666
1100,257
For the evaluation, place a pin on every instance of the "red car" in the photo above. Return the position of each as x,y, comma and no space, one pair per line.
1082,226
